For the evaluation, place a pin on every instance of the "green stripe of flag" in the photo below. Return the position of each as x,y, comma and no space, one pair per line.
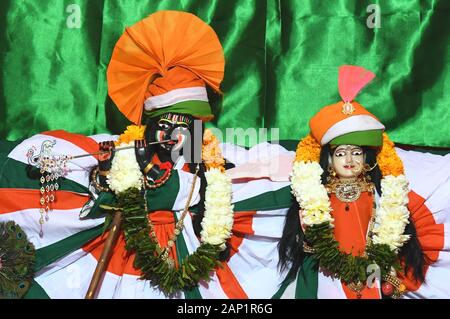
182,253
308,279
13,174
163,198
306,282
6,147
36,292
51,253
278,199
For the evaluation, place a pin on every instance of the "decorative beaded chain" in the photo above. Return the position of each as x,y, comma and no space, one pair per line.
51,167
164,252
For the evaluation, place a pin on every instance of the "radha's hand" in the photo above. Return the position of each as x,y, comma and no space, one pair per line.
302,225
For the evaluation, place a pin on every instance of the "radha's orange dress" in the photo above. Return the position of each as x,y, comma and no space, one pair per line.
350,230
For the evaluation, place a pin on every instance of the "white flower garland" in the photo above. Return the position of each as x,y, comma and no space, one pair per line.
391,215
218,220
219,217
310,193
125,172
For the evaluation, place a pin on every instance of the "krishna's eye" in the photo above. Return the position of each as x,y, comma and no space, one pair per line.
357,152
163,126
183,126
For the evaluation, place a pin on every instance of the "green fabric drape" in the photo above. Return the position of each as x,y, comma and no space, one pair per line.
281,63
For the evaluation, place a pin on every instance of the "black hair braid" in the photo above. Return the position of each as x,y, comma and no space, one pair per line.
412,254
325,152
375,172
198,217
290,246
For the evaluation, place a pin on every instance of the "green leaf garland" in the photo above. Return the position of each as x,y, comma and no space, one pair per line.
194,268
343,266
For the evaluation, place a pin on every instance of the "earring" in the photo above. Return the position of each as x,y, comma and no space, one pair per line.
331,171
371,168
366,168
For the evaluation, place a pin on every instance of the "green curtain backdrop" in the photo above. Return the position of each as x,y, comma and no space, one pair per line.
282,63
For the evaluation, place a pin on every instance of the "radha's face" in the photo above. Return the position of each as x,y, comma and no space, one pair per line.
348,161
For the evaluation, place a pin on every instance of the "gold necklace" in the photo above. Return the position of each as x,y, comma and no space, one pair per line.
348,191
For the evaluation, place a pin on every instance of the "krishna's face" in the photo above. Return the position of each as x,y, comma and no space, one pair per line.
175,127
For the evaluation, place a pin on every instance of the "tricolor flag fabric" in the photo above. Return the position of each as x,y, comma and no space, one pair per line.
68,252
70,248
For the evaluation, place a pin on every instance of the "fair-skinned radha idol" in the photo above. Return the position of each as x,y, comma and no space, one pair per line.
186,230
369,220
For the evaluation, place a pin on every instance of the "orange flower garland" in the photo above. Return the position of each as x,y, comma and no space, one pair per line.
388,160
132,133
211,153
308,150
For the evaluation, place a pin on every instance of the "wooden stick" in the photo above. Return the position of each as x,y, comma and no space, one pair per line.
111,240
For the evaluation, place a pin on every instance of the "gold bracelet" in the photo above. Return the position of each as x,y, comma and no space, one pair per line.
100,188
399,287
148,168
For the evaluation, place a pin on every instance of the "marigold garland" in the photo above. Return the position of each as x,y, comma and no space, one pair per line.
132,133
308,150
211,153
388,159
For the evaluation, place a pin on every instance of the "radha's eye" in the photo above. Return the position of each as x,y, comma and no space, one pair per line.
357,153
339,153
